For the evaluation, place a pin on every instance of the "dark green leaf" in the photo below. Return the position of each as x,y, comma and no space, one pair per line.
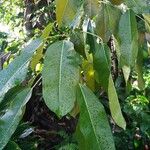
12,146
11,117
78,40
101,65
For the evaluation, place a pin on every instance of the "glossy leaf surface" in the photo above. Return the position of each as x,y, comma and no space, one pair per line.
10,118
17,70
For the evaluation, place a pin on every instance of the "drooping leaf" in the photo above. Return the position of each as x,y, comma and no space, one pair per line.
139,69
17,70
93,124
66,11
11,116
60,77
101,65
104,77
114,105
128,35
107,21
101,60
91,7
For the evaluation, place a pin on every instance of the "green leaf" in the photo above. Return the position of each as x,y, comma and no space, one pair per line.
147,21
60,77
139,6
69,146
107,21
39,53
114,105
17,70
90,38
139,68
91,7
12,146
103,74
47,31
101,65
93,124
37,57
11,116
78,40
128,35
66,11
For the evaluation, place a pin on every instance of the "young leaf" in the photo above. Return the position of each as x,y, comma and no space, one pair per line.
128,35
60,77
66,11
10,119
17,70
93,123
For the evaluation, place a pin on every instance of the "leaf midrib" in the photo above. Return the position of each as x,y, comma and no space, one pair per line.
89,116
60,75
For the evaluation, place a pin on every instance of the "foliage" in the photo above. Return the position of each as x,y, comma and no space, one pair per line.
90,59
